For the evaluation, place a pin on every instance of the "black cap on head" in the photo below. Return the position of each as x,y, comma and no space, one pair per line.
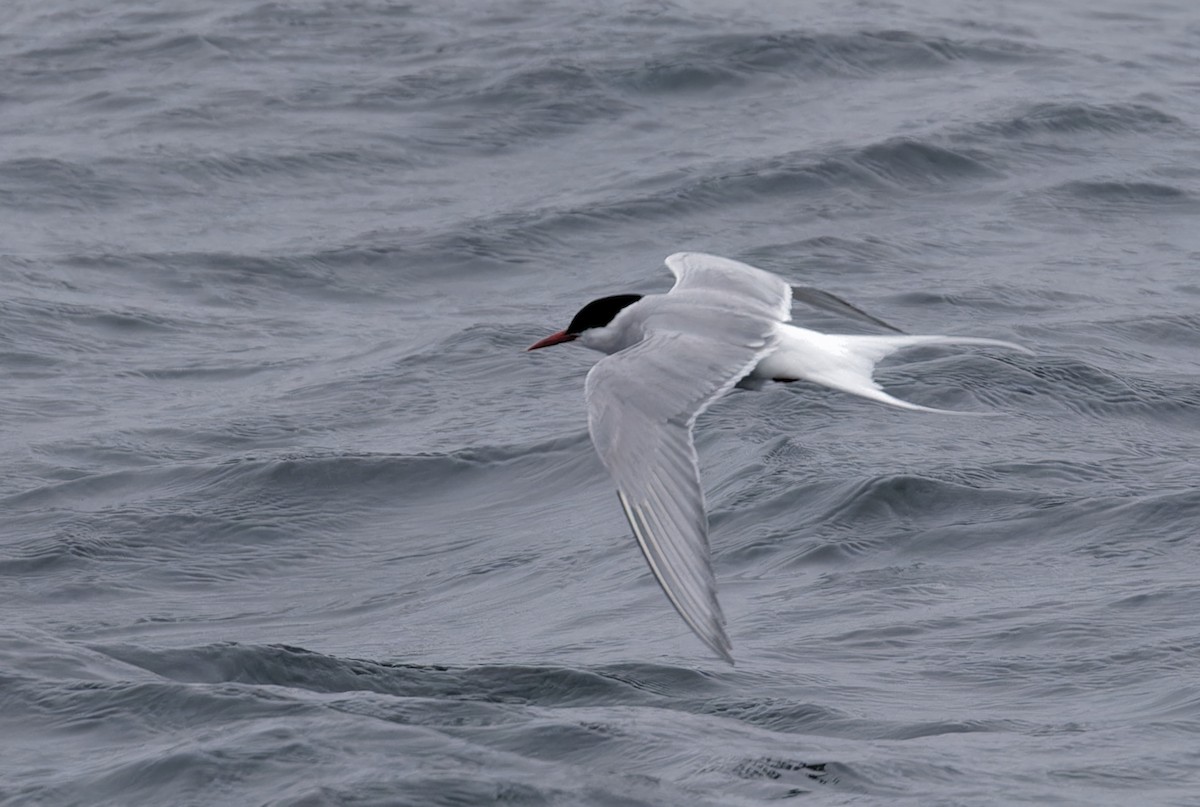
599,313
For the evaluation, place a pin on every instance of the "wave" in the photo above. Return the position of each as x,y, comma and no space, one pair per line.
712,61
275,708
1070,119
1107,199
896,166
353,471
1088,389
47,184
254,515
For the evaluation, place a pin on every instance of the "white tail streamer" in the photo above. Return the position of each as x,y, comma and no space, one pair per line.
847,362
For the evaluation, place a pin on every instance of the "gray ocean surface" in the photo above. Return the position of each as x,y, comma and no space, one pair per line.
288,517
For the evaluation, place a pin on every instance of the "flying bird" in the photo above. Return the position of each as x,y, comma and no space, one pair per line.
723,324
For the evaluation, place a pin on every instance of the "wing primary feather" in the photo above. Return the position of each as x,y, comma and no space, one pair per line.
676,559
653,556
715,637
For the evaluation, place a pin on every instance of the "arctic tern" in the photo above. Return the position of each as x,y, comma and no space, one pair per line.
723,324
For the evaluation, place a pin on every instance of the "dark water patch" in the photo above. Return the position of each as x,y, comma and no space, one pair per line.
166,705
774,778
1069,119
189,740
896,166
34,656
521,120
370,265
782,715
73,548
88,328
102,53
1169,330
412,476
137,547
1122,192
968,384
1078,660
680,75
22,365
370,25
1142,528
900,163
294,667
999,298
109,101
474,249
959,513
158,16
195,523
225,441
1097,392
47,184
1110,199
1059,471
1171,598
489,706
134,321
213,116
730,60
908,162
99,489
176,48
777,769
573,85
91,44
479,352
204,373
1105,519
911,731
846,519
831,254
48,407
791,717
224,277
428,88
256,502
1119,16
469,110
1154,345
862,176
276,165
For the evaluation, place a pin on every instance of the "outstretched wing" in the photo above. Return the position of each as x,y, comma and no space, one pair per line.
697,270
751,290
644,400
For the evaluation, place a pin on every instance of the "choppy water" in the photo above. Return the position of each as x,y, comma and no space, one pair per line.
287,517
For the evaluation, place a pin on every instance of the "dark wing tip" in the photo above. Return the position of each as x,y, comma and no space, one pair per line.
825,301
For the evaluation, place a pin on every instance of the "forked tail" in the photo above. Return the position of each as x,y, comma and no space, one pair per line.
847,362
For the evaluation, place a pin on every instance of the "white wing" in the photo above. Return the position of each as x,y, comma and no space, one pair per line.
700,339
743,286
698,269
